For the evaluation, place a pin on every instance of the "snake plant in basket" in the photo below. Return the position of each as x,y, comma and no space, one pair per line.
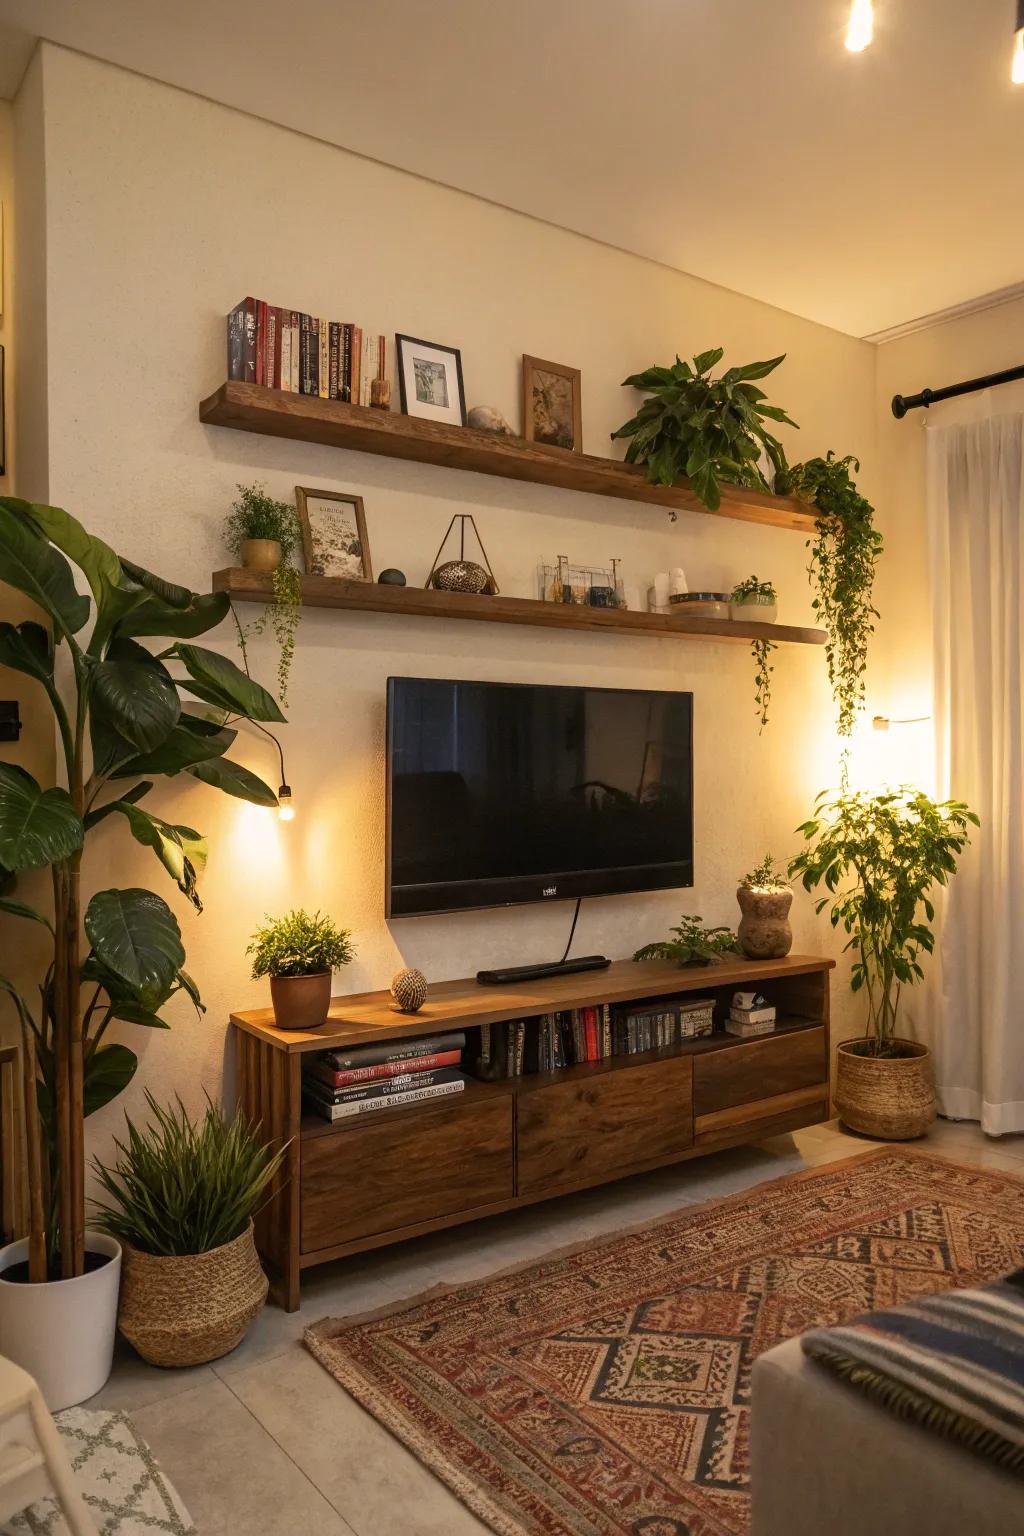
132,698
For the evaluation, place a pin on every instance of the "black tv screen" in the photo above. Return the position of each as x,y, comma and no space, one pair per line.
503,792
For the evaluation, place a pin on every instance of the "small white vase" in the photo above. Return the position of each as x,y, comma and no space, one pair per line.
62,1332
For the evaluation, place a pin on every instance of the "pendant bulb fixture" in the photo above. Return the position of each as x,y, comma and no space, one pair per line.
285,804
1017,67
860,29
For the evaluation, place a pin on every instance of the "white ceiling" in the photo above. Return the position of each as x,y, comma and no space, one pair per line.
736,139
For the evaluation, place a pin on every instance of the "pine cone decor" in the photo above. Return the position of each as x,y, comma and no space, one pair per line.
409,990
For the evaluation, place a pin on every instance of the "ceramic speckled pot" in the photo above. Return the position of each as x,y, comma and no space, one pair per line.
764,932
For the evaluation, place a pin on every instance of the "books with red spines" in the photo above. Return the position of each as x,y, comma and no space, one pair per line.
261,341
242,342
344,1059
384,1069
277,326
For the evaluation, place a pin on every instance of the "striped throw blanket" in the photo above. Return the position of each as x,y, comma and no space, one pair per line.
952,1363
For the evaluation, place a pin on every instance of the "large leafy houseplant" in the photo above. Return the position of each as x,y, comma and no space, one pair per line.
878,856
703,429
125,713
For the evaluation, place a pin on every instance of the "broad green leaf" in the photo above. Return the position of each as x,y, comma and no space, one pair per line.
118,990
169,592
136,934
188,985
191,741
22,909
134,695
180,850
233,689
233,779
134,1013
37,826
753,370
108,1071
650,378
133,796
705,360
113,589
152,617
27,649
29,562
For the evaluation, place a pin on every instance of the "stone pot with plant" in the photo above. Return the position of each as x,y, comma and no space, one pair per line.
264,533
878,856
693,944
765,897
300,953
124,717
180,1201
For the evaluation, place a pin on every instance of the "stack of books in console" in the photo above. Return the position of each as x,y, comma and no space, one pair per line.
341,1084
750,1014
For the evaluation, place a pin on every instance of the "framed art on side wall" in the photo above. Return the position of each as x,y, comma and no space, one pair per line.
430,380
552,404
334,541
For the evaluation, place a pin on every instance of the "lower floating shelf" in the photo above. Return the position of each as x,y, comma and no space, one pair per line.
424,602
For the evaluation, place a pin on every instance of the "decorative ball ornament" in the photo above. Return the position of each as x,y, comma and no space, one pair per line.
391,577
461,576
409,990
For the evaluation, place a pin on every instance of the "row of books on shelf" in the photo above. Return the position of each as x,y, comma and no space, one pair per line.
574,1036
286,349
341,1084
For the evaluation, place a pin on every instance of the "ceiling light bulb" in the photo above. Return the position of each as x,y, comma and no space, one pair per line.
285,804
1017,70
861,26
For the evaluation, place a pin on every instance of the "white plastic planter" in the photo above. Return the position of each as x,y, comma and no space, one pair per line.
62,1332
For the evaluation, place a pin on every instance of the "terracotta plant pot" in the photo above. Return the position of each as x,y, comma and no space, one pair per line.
193,1308
300,1002
890,1097
261,554
764,932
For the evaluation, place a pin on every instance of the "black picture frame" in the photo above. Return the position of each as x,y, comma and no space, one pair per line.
401,343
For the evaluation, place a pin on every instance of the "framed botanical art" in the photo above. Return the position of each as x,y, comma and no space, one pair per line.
552,404
430,380
334,539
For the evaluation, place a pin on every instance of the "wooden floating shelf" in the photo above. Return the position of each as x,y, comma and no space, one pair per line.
305,418
425,603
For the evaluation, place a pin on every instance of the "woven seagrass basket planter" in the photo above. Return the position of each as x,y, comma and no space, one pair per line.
891,1097
190,1309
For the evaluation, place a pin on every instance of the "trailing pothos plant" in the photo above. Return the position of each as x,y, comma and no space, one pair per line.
703,429
124,716
753,591
844,552
878,856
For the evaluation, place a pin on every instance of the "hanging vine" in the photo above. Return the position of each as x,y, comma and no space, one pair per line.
844,551
761,650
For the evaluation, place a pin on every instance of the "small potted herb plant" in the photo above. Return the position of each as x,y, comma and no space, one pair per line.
878,856
181,1198
756,600
299,953
693,944
765,898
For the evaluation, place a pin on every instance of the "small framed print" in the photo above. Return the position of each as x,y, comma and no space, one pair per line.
334,539
430,380
552,404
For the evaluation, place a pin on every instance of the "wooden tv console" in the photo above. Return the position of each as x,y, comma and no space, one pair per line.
398,1173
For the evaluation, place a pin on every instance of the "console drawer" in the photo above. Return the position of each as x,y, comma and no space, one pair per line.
416,1165
757,1070
601,1126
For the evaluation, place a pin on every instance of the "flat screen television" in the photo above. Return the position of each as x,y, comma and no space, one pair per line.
500,793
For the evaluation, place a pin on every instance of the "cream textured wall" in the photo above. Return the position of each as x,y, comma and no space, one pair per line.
162,211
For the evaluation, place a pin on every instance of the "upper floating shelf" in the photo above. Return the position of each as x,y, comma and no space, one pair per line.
278,413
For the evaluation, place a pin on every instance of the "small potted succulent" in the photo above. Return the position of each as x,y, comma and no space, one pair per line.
299,953
693,944
755,600
181,1198
765,898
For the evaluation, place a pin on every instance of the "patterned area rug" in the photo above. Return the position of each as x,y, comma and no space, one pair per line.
605,1392
124,1490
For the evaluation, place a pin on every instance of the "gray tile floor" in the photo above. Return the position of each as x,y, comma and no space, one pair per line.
266,1442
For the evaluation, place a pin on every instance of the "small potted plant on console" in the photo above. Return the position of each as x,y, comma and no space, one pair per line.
693,944
299,953
765,898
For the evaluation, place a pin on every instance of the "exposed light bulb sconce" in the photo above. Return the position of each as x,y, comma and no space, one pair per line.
1017,67
285,805
860,29
883,722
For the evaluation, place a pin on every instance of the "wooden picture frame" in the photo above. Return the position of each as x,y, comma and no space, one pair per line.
552,413
430,380
334,543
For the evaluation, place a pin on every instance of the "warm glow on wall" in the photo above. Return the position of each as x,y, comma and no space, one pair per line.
861,27
1017,68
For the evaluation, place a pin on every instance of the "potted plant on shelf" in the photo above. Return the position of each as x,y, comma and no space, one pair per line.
878,857
693,944
704,430
264,533
755,600
181,1198
124,717
765,897
299,953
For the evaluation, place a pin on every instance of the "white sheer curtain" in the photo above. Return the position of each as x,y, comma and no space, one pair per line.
976,530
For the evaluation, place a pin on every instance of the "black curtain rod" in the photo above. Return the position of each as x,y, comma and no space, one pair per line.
901,404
